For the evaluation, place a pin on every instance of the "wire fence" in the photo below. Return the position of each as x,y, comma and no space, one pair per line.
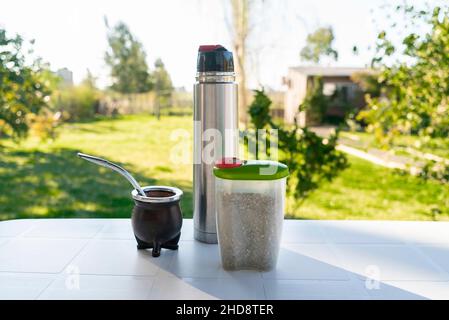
177,102
169,103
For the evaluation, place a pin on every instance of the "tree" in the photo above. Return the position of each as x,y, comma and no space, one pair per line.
259,110
368,82
318,45
414,98
309,157
162,85
127,59
240,32
316,102
25,88
415,92
90,80
78,102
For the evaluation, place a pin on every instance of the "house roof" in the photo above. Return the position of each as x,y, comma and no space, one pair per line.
327,71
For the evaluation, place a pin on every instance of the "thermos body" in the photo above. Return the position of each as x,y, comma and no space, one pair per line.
215,132
215,107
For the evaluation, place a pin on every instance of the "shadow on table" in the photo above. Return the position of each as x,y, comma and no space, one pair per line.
328,281
320,281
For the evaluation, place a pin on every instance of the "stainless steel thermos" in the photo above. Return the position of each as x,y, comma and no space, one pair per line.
215,132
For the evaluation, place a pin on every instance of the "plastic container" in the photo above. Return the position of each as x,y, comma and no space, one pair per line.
250,203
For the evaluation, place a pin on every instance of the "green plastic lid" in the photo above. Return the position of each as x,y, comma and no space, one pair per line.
250,170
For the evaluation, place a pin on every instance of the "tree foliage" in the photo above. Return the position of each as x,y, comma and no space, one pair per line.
259,111
25,88
414,97
163,85
310,158
415,92
90,80
319,45
78,102
126,58
316,102
368,82
161,78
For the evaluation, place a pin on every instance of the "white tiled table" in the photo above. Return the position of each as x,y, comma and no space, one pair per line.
98,259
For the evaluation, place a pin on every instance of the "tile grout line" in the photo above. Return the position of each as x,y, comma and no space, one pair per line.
31,227
6,241
154,277
264,289
69,262
431,261
362,277
106,224
326,242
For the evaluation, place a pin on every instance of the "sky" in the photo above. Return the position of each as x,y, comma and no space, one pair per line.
72,33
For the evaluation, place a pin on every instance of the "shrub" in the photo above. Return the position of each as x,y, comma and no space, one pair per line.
310,158
43,125
259,111
77,102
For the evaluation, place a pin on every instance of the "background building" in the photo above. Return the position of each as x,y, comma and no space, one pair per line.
66,75
337,84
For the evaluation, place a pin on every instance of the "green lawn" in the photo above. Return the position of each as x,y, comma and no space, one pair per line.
48,180
368,191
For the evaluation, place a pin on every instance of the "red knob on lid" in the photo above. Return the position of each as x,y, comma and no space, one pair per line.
210,47
227,162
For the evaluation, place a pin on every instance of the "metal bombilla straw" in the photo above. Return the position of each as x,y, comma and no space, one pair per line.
115,167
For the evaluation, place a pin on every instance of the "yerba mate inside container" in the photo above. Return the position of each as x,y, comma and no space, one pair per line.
250,203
